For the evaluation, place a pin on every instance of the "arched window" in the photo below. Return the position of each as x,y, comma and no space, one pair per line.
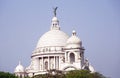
46,65
72,57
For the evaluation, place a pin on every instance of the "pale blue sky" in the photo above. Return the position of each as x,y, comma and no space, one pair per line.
97,23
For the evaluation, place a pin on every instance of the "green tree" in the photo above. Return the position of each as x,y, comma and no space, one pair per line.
96,75
77,74
70,74
83,74
7,75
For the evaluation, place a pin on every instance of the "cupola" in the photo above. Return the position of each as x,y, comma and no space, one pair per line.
55,21
19,68
73,39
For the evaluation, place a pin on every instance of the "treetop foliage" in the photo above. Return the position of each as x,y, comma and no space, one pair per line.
71,74
7,75
59,74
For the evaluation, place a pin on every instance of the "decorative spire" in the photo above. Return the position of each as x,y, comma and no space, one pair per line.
19,62
55,11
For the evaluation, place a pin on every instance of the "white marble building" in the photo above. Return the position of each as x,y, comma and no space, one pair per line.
57,50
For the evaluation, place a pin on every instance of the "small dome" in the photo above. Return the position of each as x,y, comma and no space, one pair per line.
73,39
19,68
54,19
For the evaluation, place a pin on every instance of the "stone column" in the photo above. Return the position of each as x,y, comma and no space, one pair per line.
59,62
48,62
42,63
65,56
54,62
38,64
68,57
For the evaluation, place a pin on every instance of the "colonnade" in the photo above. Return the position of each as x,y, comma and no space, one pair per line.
44,63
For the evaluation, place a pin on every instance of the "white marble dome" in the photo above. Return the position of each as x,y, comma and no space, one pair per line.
19,68
53,38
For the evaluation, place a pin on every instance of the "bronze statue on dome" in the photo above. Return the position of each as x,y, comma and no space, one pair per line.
55,11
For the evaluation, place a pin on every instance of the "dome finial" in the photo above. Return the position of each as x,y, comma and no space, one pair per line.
73,32
55,11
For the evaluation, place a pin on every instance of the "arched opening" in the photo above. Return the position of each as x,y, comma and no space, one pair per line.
72,57
70,68
46,65
20,76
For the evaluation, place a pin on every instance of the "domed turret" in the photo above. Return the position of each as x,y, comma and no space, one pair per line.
55,24
73,39
19,68
19,71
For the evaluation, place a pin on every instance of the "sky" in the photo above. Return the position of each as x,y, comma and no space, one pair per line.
97,23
